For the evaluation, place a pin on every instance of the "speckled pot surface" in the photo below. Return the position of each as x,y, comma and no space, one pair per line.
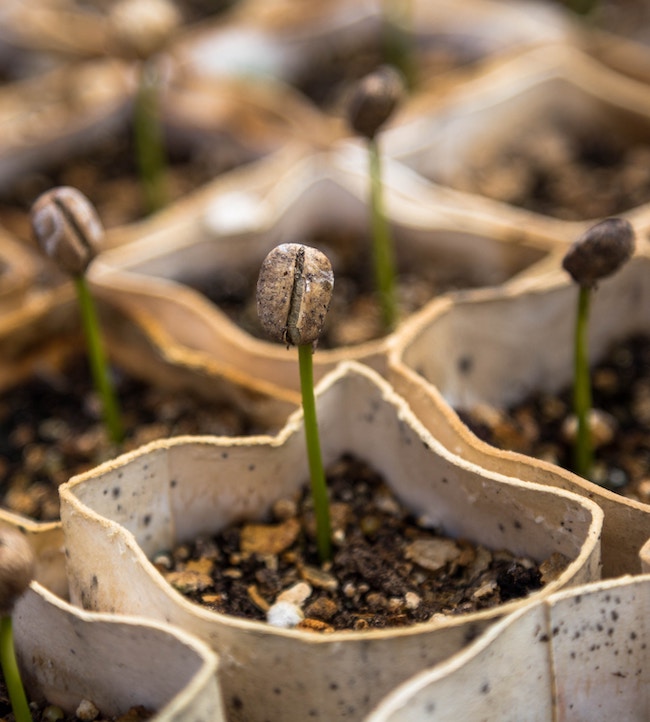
580,654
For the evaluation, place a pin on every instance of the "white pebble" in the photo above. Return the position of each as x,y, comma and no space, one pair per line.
87,710
284,615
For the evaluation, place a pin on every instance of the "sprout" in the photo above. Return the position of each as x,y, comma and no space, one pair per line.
294,289
371,105
16,572
142,29
69,232
598,253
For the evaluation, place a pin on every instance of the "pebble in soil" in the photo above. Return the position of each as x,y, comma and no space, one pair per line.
387,569
51,429
543,426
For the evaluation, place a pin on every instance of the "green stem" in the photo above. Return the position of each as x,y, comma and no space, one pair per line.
149,139
582,387
316,471
11,673
397,40
97,359
383,254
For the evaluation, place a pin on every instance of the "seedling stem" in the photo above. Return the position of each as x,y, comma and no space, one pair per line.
149,140
97,360
11,673
316,471
383,254
583,450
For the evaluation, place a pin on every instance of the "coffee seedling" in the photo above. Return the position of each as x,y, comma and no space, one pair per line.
294,289
142,28
16,572
69,232
598,253
371,105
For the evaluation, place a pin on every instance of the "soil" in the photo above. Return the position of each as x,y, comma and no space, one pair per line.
540,426
51,429
44,712
568,173
388,570
355,315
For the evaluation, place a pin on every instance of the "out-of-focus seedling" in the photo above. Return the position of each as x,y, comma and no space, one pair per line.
398,38
16,572
143,28
371,105
294,289
69,232
598,253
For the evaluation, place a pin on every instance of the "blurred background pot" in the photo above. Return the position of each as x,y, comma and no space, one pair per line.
504,344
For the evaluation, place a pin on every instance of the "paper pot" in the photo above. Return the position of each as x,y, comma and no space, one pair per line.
119,515
580,654
481,136
502,345
67,655
220,238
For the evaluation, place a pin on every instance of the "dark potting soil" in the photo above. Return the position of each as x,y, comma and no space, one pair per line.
388,570
51,429
566,173
540,426
44,712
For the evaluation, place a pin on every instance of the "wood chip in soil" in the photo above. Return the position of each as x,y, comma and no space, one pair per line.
542,425
388,570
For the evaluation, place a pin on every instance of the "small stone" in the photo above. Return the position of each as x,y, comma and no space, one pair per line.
297,594
284,615
376,601
284,509
87,710
323,608
52,713
486,589
163,562
412,600
269,538
319,579
432,554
